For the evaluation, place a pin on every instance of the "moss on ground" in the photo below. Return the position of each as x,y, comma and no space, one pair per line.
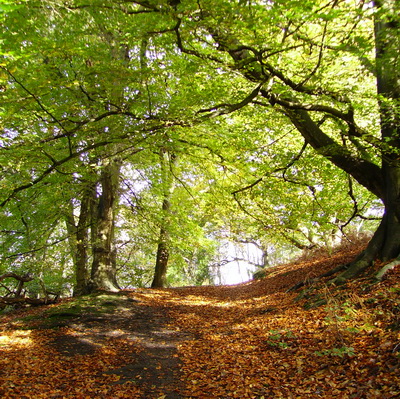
61,314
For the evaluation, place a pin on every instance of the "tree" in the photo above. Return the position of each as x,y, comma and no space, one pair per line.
85,100
326,113
103,271
78,237
167,161
267,93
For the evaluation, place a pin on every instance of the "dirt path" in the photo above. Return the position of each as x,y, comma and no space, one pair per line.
251,341
156,367
153,365
106,346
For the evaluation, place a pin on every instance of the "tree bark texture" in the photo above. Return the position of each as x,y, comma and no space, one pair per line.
79,241
103,273
160,271
82,243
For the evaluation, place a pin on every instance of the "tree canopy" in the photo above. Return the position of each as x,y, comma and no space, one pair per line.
134,127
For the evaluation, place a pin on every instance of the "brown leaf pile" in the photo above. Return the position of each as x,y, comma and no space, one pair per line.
31,368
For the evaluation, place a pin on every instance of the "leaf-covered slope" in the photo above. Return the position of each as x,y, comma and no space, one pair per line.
255,341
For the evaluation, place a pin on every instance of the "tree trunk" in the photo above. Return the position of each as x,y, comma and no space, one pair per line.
160,273
82,241
265,256
387,42
385,244
103,274
70,224
78,240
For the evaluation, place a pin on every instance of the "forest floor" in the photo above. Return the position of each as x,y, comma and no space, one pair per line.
252,340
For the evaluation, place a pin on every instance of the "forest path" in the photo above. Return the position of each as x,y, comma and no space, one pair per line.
110,345
151,366
247,341
129,344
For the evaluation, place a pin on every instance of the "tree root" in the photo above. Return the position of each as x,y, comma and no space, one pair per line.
379,276
316,279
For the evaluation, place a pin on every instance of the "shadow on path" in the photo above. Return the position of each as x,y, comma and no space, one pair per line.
154,365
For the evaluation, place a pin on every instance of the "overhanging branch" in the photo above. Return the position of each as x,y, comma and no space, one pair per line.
284,169
24,278
223,109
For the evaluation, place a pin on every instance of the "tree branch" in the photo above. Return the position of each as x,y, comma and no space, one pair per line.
223,109
274,99
190,51
50,169
34,97
24,278
284,169
365,172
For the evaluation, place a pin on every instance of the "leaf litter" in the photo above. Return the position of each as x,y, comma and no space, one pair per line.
252,340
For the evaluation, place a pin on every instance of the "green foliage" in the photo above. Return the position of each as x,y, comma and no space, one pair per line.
83,84
340,352
280,339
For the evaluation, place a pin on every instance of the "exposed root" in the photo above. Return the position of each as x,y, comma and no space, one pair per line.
379,276
329,273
